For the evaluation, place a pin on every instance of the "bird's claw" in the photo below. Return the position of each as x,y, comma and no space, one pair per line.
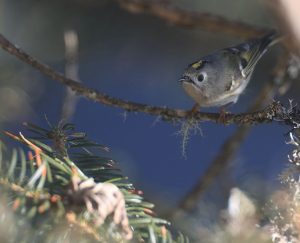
222,117
193,111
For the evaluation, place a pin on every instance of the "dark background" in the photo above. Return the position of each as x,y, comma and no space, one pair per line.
140,58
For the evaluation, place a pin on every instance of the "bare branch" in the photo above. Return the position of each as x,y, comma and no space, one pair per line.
71,71
266,115
181,17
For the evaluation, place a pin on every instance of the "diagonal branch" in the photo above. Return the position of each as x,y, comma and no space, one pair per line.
186,18
266,115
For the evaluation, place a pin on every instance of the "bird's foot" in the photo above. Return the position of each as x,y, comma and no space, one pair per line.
193,111
222,117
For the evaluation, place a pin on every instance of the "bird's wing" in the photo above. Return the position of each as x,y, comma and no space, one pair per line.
250,52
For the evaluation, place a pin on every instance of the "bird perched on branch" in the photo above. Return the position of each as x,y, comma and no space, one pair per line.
218,79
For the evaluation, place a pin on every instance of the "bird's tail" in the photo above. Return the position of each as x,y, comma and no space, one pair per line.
268,40
257,48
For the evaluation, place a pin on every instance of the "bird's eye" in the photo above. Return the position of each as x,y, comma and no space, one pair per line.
200,77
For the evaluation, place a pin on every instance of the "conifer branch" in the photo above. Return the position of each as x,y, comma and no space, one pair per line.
78,186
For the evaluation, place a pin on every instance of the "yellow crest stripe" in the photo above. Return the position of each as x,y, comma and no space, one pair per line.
197,65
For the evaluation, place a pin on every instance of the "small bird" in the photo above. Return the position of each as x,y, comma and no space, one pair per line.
218,79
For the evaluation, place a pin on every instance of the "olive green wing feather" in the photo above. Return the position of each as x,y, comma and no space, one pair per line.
250,52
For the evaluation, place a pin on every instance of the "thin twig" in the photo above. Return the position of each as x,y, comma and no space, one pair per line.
33,195
186,18
71,71
166,113
232,144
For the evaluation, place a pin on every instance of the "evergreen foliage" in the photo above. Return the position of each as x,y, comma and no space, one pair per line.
63,189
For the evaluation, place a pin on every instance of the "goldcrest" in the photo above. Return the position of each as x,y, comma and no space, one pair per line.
219,78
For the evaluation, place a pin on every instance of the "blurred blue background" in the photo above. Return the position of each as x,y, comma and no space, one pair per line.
140,58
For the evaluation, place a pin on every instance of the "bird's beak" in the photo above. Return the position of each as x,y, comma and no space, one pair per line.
185,79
